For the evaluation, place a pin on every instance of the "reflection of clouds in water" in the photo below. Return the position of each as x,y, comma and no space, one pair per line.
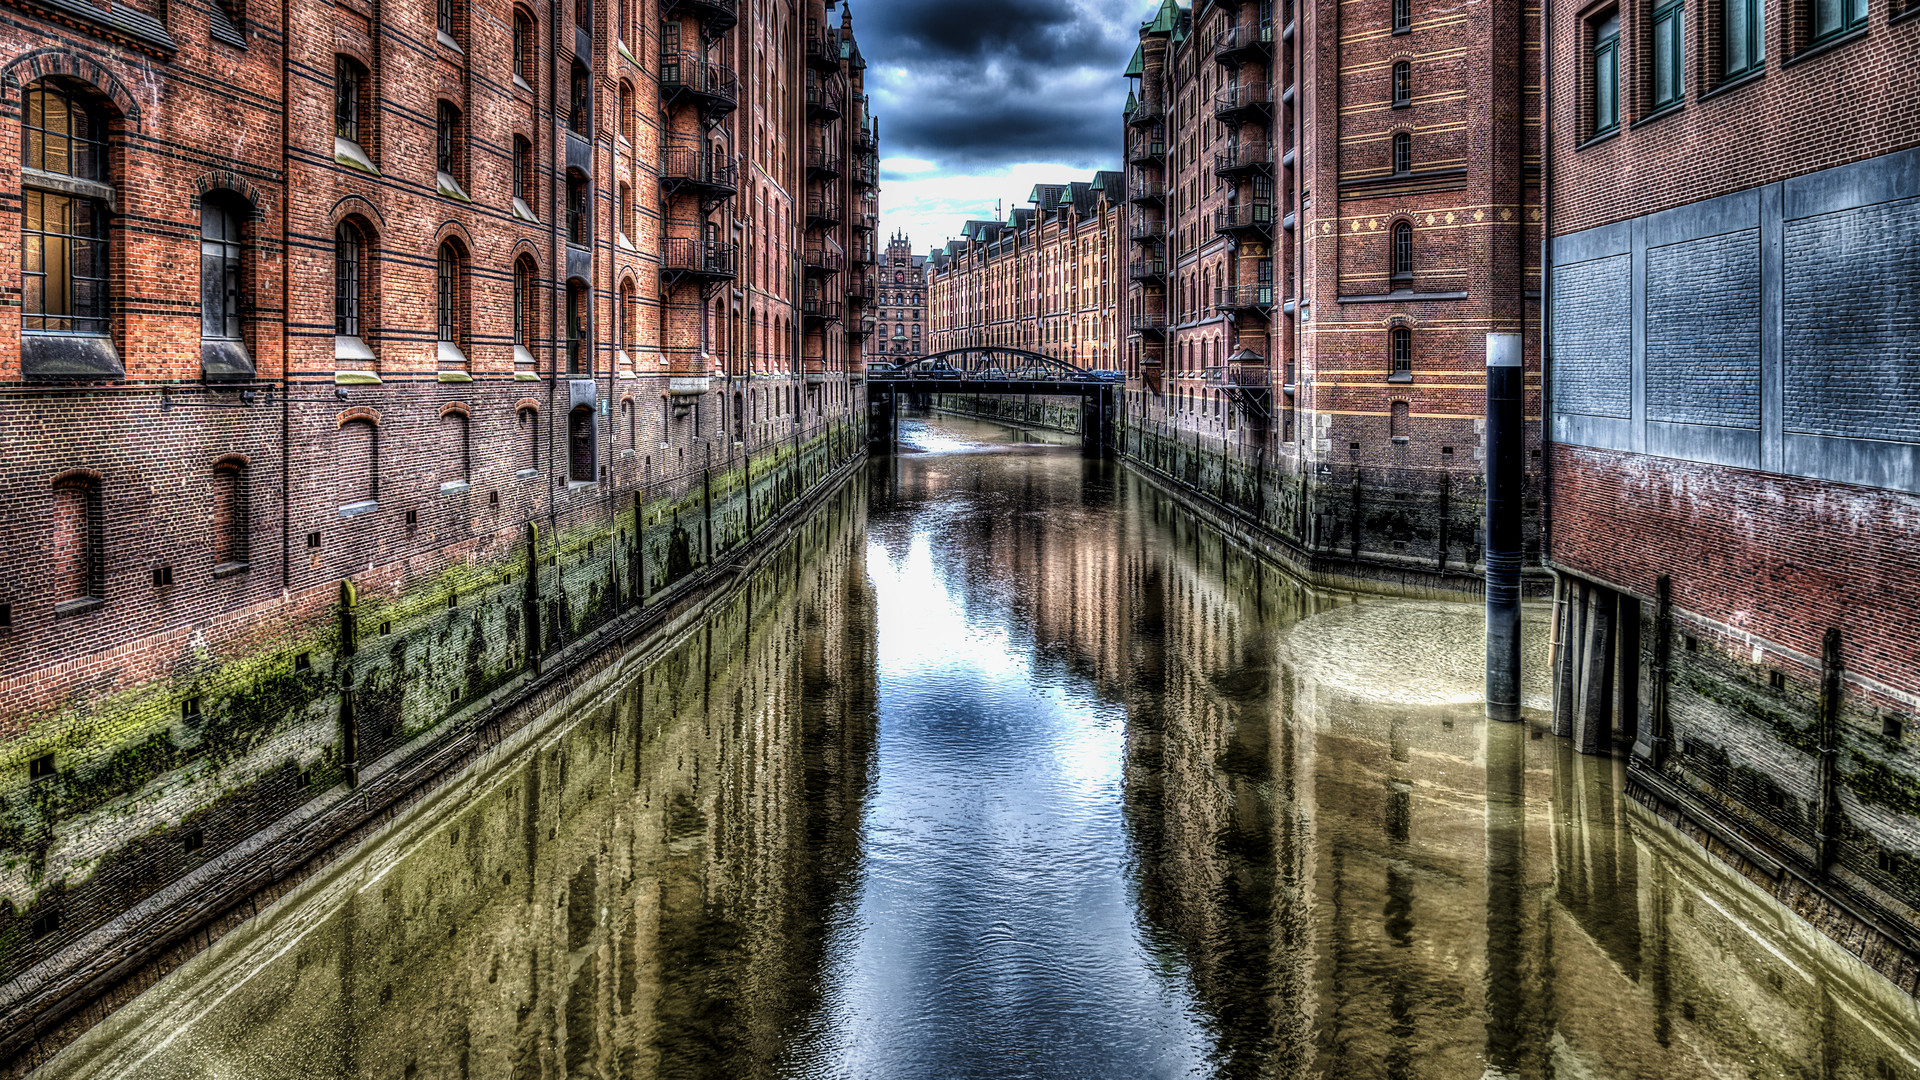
1413,652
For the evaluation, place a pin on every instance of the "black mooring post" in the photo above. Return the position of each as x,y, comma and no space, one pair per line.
1505,449
894,421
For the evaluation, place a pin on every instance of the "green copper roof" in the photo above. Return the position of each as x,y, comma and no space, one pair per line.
1131,105
1137,65
1165,19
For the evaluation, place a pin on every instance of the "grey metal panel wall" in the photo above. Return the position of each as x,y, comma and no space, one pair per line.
1776,328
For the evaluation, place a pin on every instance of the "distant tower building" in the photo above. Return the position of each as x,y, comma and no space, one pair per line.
902,303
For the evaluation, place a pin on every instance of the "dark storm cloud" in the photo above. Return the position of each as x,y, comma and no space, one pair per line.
974,84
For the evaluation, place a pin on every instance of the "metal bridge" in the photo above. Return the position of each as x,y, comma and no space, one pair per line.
994,369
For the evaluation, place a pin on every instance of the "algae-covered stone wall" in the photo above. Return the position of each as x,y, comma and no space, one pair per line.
1025,410
1363,520
118,789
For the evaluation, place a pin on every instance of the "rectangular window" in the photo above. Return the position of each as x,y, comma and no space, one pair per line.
1831,17
1743,41
1606,74
1669,56
346,99
63,276
1402,16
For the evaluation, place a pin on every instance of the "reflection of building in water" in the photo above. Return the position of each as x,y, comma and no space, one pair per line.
630,897
1367,879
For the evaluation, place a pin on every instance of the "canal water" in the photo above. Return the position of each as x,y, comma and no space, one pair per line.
1005,767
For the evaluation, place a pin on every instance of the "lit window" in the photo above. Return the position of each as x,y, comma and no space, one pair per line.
64,235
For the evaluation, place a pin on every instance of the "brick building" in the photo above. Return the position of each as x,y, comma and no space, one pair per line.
573,288
903,302
1330,211
1734,471
1045,279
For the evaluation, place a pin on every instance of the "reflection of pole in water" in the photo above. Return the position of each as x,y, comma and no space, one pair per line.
1506,999
1399,906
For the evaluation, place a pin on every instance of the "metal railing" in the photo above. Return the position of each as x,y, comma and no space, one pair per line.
1244,216
698,167
690,75
1241,99
701,258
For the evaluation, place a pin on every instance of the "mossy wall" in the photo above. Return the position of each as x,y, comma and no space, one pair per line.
250,725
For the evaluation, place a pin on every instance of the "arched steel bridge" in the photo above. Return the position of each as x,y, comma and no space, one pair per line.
993,369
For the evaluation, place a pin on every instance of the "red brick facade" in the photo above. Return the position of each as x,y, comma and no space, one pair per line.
546,266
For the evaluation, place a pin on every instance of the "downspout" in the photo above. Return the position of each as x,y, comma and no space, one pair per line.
556,259
1546,280
286,299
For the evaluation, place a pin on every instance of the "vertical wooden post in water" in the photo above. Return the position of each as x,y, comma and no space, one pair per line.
1655,737
1827,826
348,620
530,598
639,555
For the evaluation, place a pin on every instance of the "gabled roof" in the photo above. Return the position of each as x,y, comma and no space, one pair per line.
1165,19
1046,196
1137,65
1112,183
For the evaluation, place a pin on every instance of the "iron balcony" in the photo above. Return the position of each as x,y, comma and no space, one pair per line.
1254,299
865,173
865,141
822,48
1144,113
1147,192
823,211
1255,376
1154,269
860,291
1147,230
823,101
685,259
1245,219
716,16
822,259
818,312
1239,103
1240,42
697,172
1148,148
1147,323
822,163
685,78
1239,161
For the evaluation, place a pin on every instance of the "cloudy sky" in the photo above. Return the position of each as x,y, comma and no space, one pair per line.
981,99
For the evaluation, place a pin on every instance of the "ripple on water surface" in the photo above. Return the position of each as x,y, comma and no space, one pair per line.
1018,772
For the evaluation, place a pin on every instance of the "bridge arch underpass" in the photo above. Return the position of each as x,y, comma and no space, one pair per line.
992,369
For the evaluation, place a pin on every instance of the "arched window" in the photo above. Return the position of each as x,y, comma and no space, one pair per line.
580,454
524,47
1402,370
578,219
580,102
451,324
229,524
1402,152
1403,253
454,443
1399,423
626,111
623,212
357,463
76,546
625,320
579,358
353,114
1402,83
349,278
524,181
450,151
525,309
626,421
530,439
63,237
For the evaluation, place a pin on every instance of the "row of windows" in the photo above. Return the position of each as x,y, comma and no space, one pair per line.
1740,48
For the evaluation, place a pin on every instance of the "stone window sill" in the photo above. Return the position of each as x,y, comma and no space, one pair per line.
1736,82
526,474
1822,48
364,506
1610,133
1400,377
446,39
1663,111
229,569
455,487
77,607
